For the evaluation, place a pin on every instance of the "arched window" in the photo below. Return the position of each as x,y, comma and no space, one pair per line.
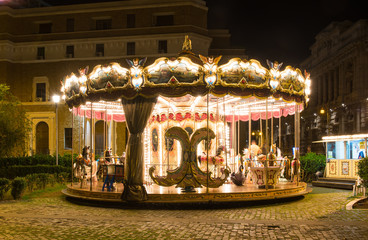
42,138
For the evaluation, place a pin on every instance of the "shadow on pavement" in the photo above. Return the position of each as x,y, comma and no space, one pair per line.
183,206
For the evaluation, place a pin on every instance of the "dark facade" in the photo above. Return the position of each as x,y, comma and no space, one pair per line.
339,71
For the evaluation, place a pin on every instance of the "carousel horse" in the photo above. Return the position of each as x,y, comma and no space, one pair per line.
82,169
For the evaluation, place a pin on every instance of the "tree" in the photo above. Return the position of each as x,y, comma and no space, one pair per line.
14,124
363,171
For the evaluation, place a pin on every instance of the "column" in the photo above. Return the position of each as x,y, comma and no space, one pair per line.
336,83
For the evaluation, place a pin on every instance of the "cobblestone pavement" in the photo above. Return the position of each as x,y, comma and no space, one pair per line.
319,215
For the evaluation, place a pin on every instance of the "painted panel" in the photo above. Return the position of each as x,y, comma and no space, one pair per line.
345,166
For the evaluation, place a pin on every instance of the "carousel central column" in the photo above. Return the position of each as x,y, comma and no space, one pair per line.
137,112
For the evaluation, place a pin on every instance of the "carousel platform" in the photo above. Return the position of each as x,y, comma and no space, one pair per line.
226,193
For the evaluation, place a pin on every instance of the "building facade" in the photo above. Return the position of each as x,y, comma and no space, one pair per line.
39,46
339,71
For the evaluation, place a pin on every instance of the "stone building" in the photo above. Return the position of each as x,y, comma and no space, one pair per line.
339,71
39,46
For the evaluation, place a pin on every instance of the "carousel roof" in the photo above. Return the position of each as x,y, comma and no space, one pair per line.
181,76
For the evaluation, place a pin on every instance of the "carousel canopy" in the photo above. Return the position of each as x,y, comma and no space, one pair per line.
181,76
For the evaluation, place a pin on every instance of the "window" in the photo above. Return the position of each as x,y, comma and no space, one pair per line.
131,48
131,20
70,25
103,24
40,92
41,53
162,46
44,27
331,150
68,138
100,50
355,149
164,20
70,51
40,89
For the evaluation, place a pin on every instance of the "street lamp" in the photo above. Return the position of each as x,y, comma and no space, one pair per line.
56,100
323,111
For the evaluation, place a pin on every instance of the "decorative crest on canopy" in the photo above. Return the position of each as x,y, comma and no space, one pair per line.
275,73
210,69
136,72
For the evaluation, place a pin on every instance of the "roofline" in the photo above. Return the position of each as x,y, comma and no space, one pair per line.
97,7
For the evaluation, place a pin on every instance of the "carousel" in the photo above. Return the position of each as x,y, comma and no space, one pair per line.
185,141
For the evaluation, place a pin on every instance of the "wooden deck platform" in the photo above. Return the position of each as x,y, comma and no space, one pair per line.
227,192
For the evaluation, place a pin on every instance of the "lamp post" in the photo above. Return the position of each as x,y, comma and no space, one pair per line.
56,100
323,111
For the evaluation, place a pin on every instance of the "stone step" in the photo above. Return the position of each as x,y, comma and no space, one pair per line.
343,180
330,184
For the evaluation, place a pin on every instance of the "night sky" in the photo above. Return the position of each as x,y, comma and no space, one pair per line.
280,30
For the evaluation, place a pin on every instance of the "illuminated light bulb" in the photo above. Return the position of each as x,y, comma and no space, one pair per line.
82,79
308,82
307,91
56,98
106,69
189,66
120,70
244,65
172,63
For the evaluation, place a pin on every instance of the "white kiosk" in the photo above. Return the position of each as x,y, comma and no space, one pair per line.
343,153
